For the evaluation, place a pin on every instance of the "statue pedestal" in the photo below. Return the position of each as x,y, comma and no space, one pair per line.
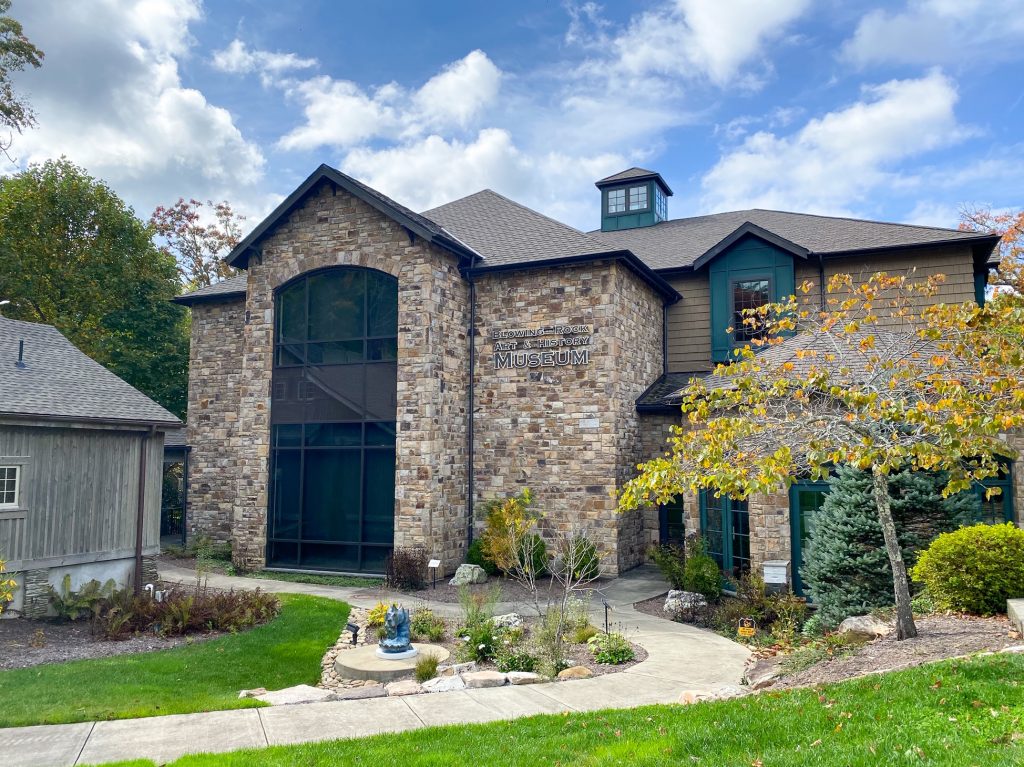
364,663
410,653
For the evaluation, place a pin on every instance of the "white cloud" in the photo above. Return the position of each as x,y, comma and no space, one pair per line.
834,162
711,39
927,32
340,113
238,58
432,171
109,96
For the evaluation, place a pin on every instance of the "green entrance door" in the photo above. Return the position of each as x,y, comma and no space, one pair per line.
725,524
805,498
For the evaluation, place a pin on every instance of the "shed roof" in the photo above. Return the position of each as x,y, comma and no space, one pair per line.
58,381
225,290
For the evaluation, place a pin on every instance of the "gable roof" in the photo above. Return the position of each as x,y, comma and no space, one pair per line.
414,222
681,243
507,234
59,381
226,290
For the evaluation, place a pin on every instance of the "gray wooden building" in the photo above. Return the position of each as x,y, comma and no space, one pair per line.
81,455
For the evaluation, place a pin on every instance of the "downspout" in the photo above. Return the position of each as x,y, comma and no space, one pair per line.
664,338
140,511
470,421
821,280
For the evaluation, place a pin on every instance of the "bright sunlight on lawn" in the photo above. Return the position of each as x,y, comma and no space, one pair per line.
202,677
953,713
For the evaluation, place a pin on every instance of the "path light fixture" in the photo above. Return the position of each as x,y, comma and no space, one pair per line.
353,629
607,607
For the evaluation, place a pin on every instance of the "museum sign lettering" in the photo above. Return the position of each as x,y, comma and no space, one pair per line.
548,346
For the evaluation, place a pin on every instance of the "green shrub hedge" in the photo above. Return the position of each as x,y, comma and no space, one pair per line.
974,569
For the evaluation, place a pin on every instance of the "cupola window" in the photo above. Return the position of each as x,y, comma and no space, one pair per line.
638,197
616,200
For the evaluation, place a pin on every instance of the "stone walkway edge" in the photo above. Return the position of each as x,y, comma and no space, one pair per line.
680,658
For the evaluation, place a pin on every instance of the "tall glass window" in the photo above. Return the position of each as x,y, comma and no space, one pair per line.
725,525
333,405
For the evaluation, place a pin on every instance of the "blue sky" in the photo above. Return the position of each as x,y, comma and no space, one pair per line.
892,110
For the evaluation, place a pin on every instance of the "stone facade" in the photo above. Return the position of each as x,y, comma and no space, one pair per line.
568,432
215,372
332,228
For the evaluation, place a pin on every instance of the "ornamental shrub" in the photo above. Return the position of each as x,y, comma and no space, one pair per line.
974,569
846,568
426,667
7,587
425,625
407,568
475,556
701,573
671,560
377,614
611,648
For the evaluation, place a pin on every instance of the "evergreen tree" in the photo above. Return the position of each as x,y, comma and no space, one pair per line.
846,567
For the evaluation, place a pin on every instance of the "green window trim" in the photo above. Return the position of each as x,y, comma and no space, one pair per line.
804,499
725,527
750,259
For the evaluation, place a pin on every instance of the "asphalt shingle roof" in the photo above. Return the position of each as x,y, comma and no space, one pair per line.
677,244
232,287
59,381
505,232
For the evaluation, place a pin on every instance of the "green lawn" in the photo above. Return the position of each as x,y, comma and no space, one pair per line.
200,677
958,713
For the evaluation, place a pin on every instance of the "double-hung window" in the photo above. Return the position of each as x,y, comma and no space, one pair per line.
747,294
10,477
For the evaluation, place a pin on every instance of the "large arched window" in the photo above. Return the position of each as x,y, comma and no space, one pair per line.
332,493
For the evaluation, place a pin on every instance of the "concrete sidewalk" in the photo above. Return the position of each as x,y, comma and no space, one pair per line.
679,658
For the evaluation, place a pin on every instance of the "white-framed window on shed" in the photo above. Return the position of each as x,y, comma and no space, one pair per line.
10,477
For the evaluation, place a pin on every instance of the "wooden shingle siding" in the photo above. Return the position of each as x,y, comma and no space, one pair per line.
689,320
953,262
689,325
78,494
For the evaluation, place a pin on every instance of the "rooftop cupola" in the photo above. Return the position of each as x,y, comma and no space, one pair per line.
633,198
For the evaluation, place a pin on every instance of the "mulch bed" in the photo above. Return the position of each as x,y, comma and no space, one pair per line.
939,637
25,642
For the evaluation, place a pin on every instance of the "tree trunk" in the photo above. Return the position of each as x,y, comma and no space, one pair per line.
905,628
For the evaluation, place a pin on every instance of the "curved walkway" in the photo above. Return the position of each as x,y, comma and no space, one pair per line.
680,657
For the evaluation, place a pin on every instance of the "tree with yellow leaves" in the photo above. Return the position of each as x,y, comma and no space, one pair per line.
883,379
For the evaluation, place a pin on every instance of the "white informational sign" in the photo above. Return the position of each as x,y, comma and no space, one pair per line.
434,563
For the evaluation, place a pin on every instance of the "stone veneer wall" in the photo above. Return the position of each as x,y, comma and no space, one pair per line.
332,228
215,371
568,433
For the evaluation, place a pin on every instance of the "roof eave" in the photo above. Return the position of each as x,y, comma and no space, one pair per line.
147,423
988,240
668,293
190,300
636,179
239,257
753,230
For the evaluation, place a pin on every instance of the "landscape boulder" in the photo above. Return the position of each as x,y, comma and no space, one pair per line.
524,677
507,621
865,626
403,687
444,684
476,679
678,601
468,574
362,693
575,672
300,693
761,673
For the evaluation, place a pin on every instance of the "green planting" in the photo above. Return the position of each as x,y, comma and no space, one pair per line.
204,676
952,713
